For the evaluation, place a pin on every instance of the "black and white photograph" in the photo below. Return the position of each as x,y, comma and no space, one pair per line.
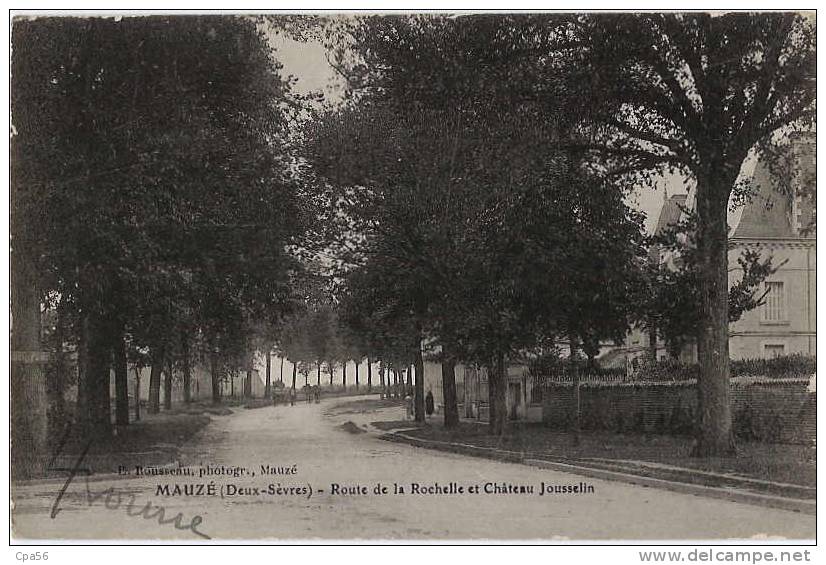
413,277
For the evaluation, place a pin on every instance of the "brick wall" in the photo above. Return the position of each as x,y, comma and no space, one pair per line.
772,411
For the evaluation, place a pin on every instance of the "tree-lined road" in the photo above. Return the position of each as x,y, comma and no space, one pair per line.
311,436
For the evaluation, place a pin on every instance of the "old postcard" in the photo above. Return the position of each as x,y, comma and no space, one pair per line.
413,278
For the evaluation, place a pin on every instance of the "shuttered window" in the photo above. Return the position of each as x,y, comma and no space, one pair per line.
774,308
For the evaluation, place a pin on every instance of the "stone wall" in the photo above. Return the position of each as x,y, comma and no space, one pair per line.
780,410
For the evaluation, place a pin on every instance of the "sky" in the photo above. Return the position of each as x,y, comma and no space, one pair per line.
650,199
306,62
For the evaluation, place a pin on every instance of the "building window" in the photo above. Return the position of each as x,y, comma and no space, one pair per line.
774,307
774,349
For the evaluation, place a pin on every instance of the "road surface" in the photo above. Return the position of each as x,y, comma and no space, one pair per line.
307,439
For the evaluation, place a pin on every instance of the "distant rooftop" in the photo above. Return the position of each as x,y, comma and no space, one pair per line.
771,212
670,213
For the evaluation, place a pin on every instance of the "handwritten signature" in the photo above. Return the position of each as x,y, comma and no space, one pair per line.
113,500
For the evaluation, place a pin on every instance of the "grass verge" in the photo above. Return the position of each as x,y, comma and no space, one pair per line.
780,463
154,440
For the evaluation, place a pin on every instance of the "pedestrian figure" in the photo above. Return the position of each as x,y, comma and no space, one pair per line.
428,403
292,397
408,401
317,392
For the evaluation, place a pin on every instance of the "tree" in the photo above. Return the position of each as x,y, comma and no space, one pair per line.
186,366
352,340
441,159
139,358
675,290
121,379
694,93
306,333
150,150
374,306
268,381
59,339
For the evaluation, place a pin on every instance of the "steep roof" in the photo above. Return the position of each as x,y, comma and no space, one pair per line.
772,212
670,212
670,215
768,213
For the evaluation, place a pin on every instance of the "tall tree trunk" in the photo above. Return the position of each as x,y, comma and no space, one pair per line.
268,383
592,364
95,418
215,377
28,404
381,380
409,385
82,366
652,341
167,386
449,389
497,387
137,394
715,436
187,369
369,375
158,357
281,374
121,379
501,393
343,375
419,362
248,383
318,377
56,379
575,378
472,392
357,375
295,369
